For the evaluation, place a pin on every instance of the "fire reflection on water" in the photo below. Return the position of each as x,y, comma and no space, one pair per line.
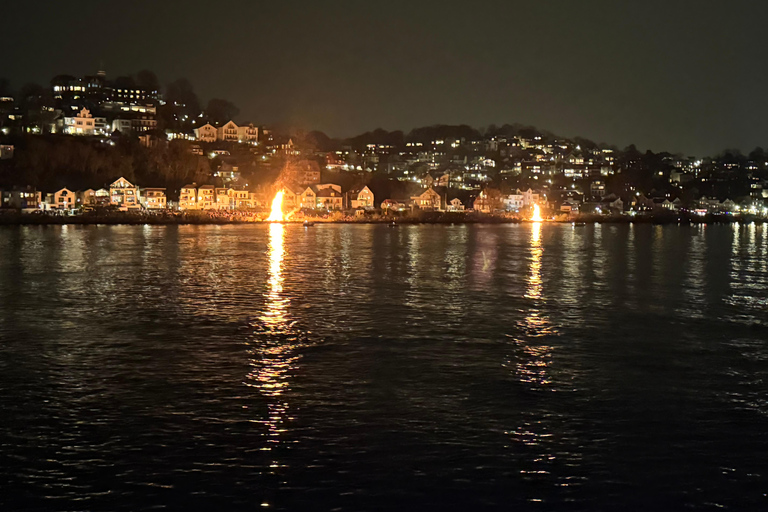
273,349
533,358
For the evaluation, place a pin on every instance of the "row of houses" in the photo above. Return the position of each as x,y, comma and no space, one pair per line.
121,193
229,132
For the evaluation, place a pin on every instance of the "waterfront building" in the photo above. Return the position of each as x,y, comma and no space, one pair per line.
86,197
188,197
206,197
63,199
455,205
429,199
329,198
362,198
124,194
21,198
153,198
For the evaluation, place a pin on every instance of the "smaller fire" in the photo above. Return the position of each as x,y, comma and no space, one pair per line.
536,214
276,215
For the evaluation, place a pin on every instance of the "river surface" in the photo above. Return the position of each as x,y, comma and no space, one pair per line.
364,367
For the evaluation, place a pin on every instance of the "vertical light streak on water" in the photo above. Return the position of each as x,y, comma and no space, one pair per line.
413,244
571,291
534,356
484,258
599,262
274,354
455,264
694,280
657,266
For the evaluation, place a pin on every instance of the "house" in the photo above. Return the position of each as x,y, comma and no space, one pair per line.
63,199
392,205
206,197
247,133
428,200
122,125
362,198
102,197
329,197
307,198
455,205
239,199
222,199
513,202
86,197
27,198
153,198
611,204
81,124
188,197
597,188
530,197
124,194
206,133
228,132
484,203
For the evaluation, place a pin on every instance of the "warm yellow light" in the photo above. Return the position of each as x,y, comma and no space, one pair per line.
276,215
536,214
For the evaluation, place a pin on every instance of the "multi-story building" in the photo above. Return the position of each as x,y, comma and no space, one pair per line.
81,124
328,196
85,197
27,198
188,197
124,194
63,199
228,132
206,197
206,133
248,133
428,200
152,198
362,198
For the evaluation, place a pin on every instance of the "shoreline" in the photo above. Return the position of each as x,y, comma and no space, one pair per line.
132,218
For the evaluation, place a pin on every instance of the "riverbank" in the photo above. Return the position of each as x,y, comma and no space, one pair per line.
177,218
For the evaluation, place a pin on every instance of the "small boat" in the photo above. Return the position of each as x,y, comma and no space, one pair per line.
579,224
308,224
393,224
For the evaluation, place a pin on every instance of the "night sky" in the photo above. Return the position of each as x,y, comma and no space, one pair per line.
680,76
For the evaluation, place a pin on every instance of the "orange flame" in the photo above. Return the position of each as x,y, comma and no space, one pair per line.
536,213
276,215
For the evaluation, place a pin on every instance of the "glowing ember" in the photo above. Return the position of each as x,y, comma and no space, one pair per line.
536,214
276,215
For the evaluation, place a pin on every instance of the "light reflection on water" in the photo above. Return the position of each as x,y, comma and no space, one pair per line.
462,367
273,348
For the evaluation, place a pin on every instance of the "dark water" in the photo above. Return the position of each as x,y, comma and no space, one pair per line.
369,368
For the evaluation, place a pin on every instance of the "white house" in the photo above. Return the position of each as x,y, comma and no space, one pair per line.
81,124
228,132
63,199
362,198
428,200
206,133
455,205
247,133
124,194
152,198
